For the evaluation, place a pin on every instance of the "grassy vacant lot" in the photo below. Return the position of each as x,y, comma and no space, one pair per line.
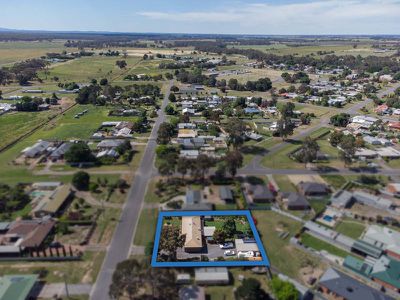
350,228
86,68
67,127
84,271
146,227
11,52
318,244
336,181
15,125
285,185
283,256
281,159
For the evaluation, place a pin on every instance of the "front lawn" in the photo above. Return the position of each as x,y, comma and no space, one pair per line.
317,244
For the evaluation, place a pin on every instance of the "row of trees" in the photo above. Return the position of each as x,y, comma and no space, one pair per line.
299,77
22,72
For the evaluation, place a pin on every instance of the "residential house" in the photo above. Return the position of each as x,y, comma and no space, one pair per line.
25,234
295,201
192,229
108,144
338,285
51,204
364,121
17,287
225,193
60,151
313,189
386,272
258,193
394,188
384,238
192,292
37,149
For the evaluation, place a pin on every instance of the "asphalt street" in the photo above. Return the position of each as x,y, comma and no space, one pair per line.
122,240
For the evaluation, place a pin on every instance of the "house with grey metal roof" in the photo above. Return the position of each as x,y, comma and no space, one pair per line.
258,193
59,152
313,189
296,201
342,286
225,193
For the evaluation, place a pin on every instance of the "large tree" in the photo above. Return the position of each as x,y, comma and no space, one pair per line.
283,290
233,161
229,227
165,133
285,127
251,290
138,280
79,153
235,128
308,151
81,180
347,149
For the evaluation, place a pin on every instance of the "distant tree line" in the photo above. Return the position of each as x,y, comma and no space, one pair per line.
369,64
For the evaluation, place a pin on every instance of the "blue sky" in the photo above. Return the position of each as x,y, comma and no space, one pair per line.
206,16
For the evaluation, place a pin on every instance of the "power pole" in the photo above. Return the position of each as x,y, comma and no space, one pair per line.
66,285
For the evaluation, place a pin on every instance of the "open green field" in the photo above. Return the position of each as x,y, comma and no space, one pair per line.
86,68
11,52
279,251
68,127
15,125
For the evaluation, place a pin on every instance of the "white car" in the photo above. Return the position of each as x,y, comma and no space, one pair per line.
246,254
226,245
229,252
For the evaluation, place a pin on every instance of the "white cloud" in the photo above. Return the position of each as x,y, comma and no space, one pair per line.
315,17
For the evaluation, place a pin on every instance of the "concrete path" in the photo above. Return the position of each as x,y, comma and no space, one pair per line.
49,290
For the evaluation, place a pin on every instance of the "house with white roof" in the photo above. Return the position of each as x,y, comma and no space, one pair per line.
384,238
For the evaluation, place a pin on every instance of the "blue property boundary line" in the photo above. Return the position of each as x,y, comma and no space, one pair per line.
154,263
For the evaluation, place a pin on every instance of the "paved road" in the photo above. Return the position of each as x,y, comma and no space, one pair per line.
122,240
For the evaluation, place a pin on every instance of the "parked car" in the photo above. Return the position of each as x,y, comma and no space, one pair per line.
229,252
226,245
246,254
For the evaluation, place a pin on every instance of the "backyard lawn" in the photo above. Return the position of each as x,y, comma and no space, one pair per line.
350,228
